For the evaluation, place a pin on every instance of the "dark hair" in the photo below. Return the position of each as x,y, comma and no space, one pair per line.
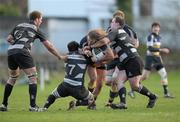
34,15
73,46
119,20
155,24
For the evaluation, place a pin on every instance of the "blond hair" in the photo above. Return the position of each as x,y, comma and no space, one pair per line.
119,13
96,35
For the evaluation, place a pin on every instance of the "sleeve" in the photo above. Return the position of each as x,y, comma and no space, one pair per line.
41,36
12,32
130,32
150,39
112,35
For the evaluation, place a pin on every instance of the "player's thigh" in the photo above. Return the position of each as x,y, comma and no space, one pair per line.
101,74
149,62
159,63
120,75
25,60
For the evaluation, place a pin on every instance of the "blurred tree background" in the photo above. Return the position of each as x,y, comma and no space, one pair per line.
126,6
13,7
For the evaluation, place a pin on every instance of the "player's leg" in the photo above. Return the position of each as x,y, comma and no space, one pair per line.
133,71
164,82
99,82
108,82
13,75
9,87
61,91
92,76
121,78
83,98
32,76
145,75
163,74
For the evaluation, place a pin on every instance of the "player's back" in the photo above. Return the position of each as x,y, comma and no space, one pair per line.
75,68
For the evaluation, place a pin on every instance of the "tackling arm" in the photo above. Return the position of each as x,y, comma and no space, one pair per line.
50,47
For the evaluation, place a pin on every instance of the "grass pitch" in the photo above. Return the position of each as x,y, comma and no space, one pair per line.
166,110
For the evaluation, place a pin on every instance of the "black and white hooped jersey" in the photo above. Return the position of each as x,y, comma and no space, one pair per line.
130,31
154,41
24,35
75,68
120,42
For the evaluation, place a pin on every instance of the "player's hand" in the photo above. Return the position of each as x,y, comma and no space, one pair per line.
87,53
164,50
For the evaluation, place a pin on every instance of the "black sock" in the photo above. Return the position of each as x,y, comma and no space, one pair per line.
165,89
7,92
32,94
144,91
50,101
82,103
122,95
91,89
112,95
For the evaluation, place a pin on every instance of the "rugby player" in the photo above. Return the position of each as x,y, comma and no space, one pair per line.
153,58
19,57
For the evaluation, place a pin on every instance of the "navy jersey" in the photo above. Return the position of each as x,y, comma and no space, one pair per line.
120,42
24,35
83,42
153,41
75,68
130,31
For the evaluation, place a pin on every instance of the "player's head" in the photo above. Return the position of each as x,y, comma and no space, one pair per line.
96,35
73,46
36,17
119,13
155,27
117,22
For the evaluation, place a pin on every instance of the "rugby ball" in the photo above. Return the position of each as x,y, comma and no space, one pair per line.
97,53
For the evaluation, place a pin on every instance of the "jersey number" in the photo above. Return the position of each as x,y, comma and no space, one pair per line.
71,68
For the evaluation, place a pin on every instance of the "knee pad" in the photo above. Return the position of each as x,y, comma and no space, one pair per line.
55,93
32,78
162,72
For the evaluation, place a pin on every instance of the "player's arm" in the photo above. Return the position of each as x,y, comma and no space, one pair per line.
50,47
135,42
108,55
104,41
104,56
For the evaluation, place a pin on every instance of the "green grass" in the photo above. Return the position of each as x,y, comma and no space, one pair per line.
166,110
